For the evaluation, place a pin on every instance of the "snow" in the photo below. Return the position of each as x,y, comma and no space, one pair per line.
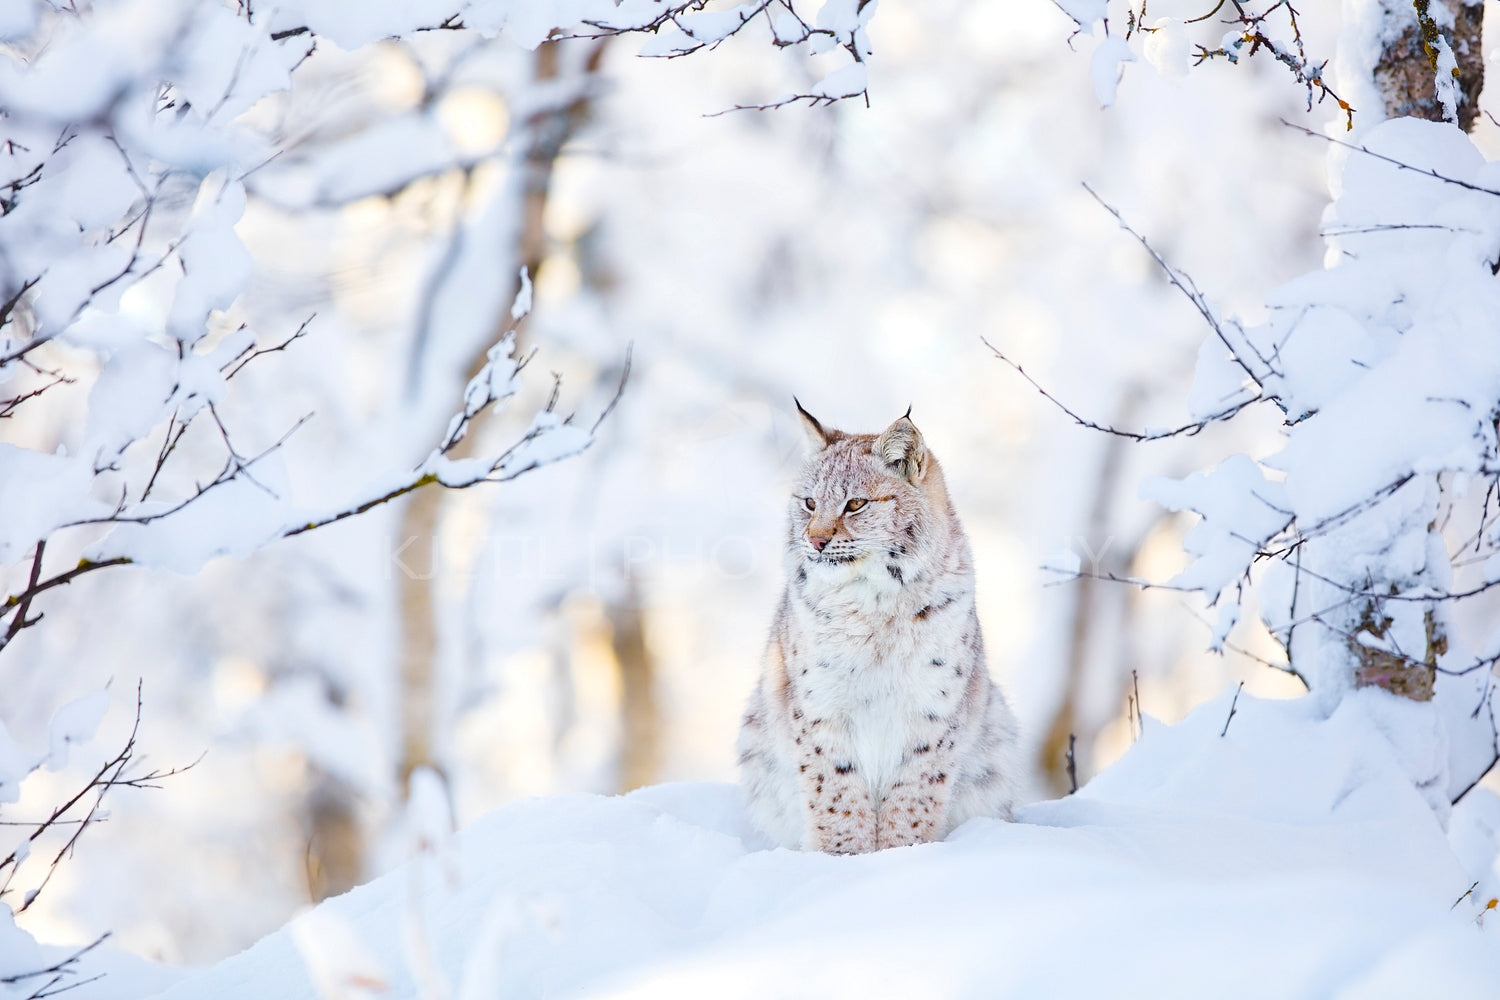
215,263
1086,13
61,481
664,891
74,724
1107,65
1166,48
339,965
1064,562
1386,364
521,307
1445,80
1288,858
15,765
1240,508
846,81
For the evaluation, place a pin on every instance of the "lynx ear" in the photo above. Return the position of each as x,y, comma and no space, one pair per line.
817,437
901,448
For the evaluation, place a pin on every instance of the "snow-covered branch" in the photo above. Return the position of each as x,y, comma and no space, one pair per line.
1358,535
125,155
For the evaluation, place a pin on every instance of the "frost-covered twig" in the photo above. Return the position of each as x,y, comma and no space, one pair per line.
524,455
236,466
839,24
1252,33
550,439
700,30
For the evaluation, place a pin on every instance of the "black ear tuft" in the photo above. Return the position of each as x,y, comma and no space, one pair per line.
901,447
817,437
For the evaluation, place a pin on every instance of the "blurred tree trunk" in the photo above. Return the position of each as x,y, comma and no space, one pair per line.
336,845
1408,61
1068,720
640,716
547,132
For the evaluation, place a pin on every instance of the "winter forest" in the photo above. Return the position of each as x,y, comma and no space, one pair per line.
397,429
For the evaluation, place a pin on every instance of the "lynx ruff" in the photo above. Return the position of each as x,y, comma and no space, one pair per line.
875,722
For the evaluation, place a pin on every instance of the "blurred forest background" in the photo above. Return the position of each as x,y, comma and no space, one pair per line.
597,625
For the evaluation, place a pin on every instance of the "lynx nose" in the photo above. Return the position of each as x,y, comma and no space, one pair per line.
817,541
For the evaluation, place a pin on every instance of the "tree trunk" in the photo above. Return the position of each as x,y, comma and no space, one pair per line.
548,131
336,844
1405,77
640,717
1053,761
1408,62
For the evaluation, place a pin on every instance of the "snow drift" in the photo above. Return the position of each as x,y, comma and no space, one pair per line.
1288,858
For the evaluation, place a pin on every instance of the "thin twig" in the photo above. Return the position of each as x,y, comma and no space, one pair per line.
1391,159
1232,705
1185,284
1186,430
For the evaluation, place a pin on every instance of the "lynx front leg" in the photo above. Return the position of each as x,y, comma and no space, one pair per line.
839,812
914,808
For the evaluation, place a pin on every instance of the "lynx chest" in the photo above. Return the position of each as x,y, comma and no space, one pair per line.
880,684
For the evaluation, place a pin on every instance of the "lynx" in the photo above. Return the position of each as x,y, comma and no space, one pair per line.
875,723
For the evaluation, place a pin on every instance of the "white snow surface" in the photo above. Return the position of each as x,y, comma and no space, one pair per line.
1107,66
1289,858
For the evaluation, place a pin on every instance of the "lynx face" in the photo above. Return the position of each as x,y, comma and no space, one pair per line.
860,498
848,498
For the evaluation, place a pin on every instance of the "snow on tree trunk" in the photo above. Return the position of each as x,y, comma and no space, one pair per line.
1395,645
1409,58
1400,59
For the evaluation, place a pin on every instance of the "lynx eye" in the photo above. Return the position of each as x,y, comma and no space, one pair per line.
854,505
809,503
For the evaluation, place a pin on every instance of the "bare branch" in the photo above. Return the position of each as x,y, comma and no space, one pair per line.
493,471
250,355
1391,160
9,406
56,972
114,773
1307,73
1232,705
1186,430
20,621
1185,284
26,596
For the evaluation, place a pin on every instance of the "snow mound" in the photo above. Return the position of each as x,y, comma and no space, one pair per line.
1288,858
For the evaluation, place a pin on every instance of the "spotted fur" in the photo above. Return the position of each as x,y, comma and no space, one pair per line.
875,722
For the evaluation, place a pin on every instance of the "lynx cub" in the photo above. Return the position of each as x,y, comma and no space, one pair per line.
875,722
